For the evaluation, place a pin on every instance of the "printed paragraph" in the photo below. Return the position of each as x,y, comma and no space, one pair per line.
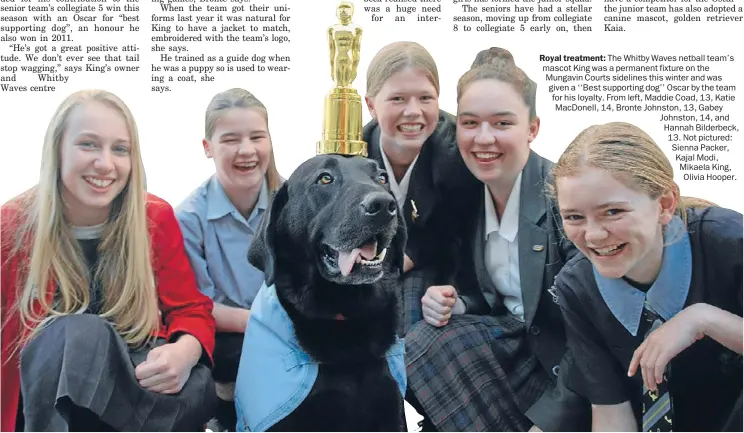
621,16
693,102
198,40
44,44
505,16
550,16
403,11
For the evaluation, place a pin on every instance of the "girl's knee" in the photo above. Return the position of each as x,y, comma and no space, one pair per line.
90,324
61,330
84,321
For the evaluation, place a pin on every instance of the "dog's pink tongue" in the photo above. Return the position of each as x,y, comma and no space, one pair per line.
346,259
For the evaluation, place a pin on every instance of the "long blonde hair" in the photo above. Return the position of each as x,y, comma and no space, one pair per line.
124,269
630,155
241,98
396,57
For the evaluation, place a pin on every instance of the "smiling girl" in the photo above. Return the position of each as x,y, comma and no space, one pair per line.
653,306
103,325
219,221
489,355
414,141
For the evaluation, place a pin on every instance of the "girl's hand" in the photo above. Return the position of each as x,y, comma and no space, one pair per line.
439,304
407,264
168,367
666,342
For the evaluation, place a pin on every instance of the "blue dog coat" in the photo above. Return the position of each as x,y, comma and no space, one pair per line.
275,374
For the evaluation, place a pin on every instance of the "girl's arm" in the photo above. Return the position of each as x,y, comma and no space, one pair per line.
613,417
230,319
185,309
722,326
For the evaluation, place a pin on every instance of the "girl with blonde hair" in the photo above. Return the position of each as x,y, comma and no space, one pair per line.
103,325
489,354
219,220
414,141
653,304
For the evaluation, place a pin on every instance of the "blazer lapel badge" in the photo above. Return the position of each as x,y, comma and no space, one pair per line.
414,212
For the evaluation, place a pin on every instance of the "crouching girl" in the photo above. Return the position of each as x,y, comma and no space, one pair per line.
653,306
103,325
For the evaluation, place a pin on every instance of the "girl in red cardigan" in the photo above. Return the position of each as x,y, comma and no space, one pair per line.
103,327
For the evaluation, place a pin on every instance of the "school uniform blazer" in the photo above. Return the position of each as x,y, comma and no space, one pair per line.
543,251
184,309
443,190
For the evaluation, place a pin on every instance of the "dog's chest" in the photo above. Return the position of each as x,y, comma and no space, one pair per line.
361,397
353,379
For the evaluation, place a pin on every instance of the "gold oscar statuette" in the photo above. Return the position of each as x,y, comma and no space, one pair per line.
342,113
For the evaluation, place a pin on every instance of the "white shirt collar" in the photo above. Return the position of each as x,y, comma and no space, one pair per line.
509,224
400,190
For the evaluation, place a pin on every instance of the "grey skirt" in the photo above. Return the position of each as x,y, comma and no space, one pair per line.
79,362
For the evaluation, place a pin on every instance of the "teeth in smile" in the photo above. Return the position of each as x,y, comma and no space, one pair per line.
606,250
487,155
375,261
101,183
247,165
411,128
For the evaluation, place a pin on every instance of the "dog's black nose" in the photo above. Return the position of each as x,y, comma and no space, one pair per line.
379,203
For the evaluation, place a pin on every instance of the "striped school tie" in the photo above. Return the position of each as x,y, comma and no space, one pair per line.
656,405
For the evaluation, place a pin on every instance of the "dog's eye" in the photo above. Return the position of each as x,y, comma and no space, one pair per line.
383,179
325,179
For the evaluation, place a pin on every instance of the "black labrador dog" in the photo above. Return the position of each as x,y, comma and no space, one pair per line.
332,242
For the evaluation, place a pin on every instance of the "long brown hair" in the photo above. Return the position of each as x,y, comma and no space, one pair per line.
498,64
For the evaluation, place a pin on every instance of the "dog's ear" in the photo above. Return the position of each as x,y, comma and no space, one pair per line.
400,241
262,253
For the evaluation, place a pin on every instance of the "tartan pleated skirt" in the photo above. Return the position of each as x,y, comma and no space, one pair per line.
474,374
413,287
80,362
